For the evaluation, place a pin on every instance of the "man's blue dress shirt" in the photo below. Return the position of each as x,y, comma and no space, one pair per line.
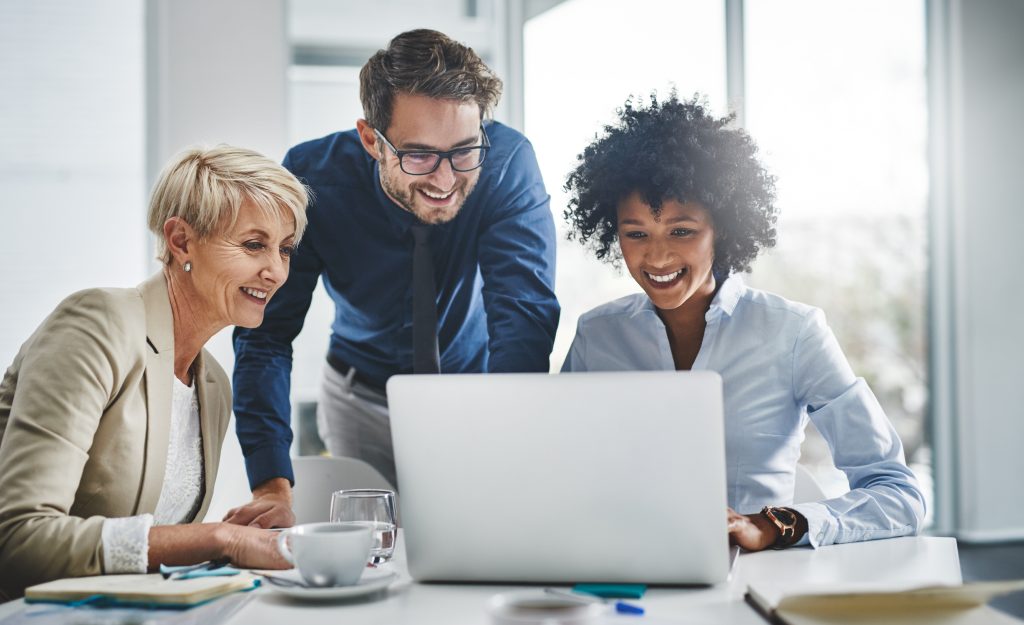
780,365
494,265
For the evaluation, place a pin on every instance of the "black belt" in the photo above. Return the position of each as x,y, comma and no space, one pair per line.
344,368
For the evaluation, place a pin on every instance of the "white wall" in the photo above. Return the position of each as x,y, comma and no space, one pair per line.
72,185
978,182
354,30
97,97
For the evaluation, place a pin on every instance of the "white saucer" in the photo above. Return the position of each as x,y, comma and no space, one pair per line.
371,581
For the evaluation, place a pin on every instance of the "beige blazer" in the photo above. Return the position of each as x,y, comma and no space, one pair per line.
84,419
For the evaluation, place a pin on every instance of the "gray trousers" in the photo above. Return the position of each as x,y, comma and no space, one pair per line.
353,421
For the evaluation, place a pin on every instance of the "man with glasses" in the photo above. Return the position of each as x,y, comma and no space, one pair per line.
431,229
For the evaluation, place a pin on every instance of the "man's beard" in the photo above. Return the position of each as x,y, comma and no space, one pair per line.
406,198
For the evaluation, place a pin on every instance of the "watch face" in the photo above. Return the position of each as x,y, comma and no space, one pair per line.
786,516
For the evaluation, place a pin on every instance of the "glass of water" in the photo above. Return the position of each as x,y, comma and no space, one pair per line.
373,507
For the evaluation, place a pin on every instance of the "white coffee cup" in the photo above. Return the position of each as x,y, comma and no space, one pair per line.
327,554
535,607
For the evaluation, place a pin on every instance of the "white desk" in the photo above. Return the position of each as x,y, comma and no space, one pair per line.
900,561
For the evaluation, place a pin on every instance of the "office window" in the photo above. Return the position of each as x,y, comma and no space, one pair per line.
582,59
836,99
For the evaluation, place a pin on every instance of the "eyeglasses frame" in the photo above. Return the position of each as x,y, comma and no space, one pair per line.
441,154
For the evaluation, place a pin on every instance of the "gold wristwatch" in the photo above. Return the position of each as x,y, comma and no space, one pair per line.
784,519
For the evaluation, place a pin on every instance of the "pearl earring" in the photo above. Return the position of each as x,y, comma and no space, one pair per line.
187,266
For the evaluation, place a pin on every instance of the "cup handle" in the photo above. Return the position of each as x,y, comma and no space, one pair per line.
282,547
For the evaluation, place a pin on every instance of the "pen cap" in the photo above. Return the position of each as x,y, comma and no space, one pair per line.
628,608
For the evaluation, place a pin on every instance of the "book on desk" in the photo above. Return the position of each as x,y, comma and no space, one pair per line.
138,590
844,605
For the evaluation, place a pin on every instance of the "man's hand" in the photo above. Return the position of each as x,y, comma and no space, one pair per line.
753,532
271,506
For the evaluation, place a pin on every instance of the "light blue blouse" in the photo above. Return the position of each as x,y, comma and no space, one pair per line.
780,365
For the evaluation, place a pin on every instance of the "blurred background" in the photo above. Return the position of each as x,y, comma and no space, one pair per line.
893,127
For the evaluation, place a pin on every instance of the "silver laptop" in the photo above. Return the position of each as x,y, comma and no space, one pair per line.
577,477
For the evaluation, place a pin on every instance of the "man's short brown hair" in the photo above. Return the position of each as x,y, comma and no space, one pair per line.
425,62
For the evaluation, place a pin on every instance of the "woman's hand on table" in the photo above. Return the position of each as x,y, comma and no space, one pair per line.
185,544
251,547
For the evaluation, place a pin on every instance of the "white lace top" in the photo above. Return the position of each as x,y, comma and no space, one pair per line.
126,540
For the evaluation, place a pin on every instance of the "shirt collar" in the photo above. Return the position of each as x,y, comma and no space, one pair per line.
728,296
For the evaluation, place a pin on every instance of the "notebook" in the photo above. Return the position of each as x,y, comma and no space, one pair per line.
139,590
577,477
965,604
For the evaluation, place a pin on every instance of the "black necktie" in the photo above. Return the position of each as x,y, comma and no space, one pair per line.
425,357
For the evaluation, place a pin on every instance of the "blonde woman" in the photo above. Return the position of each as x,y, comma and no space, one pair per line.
112,414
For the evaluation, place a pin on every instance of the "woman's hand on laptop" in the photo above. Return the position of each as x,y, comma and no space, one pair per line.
752,532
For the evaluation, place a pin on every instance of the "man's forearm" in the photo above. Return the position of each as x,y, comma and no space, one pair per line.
274,487
262,381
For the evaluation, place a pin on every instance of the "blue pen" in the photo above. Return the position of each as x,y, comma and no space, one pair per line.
620,606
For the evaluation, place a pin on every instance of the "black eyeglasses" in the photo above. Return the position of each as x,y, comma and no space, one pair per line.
423,162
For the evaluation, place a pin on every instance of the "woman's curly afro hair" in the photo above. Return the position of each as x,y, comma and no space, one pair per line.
674,150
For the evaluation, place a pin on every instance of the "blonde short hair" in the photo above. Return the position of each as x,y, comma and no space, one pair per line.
203,186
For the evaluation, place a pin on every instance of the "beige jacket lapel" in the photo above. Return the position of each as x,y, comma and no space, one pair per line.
159,371
212,423
212,391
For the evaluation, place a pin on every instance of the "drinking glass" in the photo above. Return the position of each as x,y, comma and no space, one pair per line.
374,508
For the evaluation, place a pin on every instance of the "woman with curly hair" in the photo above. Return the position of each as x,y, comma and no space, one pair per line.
681,199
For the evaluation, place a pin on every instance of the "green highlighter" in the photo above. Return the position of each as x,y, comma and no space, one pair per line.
612,591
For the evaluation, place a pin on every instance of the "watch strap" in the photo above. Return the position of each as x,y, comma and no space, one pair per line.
785,519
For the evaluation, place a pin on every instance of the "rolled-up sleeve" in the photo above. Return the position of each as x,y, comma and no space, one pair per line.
885,499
